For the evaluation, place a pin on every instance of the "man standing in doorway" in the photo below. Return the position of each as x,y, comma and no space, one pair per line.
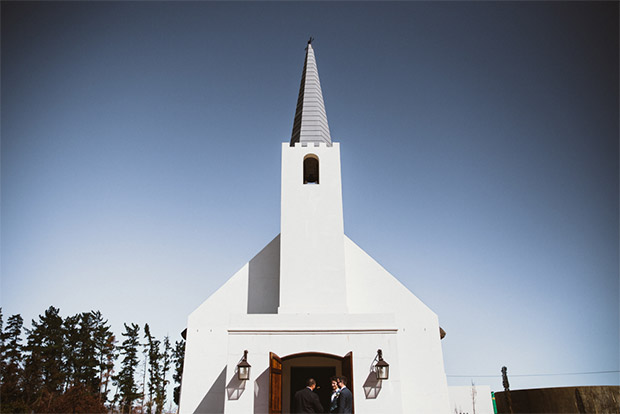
333,405
345,400
306,401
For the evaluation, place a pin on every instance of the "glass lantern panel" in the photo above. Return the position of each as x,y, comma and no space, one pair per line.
382,372
244,373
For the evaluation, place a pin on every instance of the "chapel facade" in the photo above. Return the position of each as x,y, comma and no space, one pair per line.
308,304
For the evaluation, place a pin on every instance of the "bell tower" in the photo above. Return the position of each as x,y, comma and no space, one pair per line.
312,268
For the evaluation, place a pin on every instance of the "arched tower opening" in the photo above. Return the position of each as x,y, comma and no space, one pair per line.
311,169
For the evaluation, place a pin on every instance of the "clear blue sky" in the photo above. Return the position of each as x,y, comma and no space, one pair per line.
479,140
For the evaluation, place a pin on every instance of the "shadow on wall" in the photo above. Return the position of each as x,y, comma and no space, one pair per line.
261,393
213,401
264,279
372,386
235,388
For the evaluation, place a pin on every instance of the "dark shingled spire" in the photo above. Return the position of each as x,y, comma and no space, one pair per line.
310,124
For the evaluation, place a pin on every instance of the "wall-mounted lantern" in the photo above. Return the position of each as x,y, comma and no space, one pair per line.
382,368
243,368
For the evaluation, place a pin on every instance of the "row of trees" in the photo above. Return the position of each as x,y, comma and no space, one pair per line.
75,365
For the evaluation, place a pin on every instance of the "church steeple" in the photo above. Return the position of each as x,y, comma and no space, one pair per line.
310,124
312,263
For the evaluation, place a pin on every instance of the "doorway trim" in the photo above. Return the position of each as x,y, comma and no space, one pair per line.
312,354
276,374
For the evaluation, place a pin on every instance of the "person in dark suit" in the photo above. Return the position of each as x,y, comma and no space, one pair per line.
306,401
333,405
345,400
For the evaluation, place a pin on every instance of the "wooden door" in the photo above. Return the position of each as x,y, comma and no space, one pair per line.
275,384
347,371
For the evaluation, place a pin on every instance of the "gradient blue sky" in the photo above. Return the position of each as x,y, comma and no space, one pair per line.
479,140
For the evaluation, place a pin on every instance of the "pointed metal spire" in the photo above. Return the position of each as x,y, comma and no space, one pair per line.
310,124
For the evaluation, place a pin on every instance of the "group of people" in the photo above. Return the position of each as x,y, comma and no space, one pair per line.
341,400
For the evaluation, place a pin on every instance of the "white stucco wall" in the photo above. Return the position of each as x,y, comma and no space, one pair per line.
206,352
312,233
292,334
418,339
312,289
403,327
206,348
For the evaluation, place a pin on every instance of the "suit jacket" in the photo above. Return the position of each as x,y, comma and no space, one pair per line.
333,405
306,401
345,401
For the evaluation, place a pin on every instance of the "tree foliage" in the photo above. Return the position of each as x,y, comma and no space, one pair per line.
178,355
166,360
66,365
11,369
44,365
125,380
159,360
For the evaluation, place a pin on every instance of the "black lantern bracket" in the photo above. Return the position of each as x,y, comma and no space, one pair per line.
243,368
382,368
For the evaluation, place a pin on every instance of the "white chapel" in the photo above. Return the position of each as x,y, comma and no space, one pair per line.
312,303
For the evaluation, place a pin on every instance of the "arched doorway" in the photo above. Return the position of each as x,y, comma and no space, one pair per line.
288,375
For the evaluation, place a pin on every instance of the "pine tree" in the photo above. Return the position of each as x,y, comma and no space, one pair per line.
2,349
82,383
160,396
105,352
70,331
142,375
107,365
125,381
85,350
10,378
66,365
44,373
154,359
178,355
